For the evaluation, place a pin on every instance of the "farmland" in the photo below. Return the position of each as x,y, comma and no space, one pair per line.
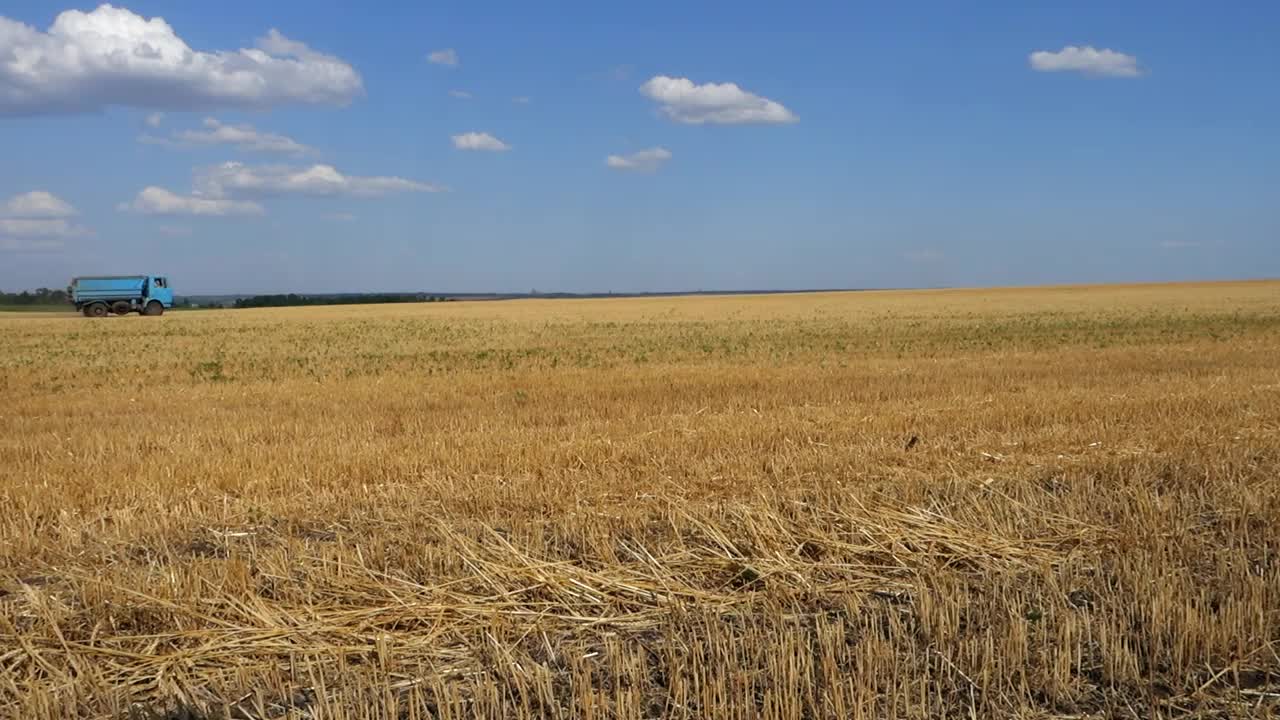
1022,502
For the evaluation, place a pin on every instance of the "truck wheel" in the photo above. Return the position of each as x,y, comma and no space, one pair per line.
120,308
96,310
154,308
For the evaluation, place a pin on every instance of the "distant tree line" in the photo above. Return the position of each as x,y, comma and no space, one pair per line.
39,296
295,299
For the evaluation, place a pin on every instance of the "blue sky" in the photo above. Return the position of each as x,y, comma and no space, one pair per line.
912,144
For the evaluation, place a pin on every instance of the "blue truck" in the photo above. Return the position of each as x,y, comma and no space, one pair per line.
121,294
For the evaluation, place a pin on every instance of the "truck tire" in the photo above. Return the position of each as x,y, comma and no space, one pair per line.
154,308
96,310
120,307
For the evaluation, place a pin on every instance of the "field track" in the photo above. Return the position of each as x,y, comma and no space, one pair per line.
1049,502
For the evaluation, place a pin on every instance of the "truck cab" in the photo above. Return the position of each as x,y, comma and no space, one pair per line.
121,294
158,289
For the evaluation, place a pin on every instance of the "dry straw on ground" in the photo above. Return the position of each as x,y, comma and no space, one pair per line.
1034,503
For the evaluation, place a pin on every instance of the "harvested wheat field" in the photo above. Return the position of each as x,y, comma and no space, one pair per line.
1009,503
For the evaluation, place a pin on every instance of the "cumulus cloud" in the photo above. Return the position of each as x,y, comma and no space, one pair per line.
642,161
713,103
37,204
155,119
37,220
244,137
479,141
112,57
447,57
233,179
1087,60
460,94
159,201
233,188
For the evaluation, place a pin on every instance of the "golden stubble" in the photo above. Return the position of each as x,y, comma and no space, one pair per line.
1019,502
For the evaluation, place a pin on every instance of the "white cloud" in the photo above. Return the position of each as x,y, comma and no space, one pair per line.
155,119
244,137
233,188
158,201
233,179
521,100
460,94
642,161
37,221
1087,60
713,103
37,204
447,57
479,141
113,57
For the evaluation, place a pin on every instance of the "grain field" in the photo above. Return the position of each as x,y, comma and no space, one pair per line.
1043,503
